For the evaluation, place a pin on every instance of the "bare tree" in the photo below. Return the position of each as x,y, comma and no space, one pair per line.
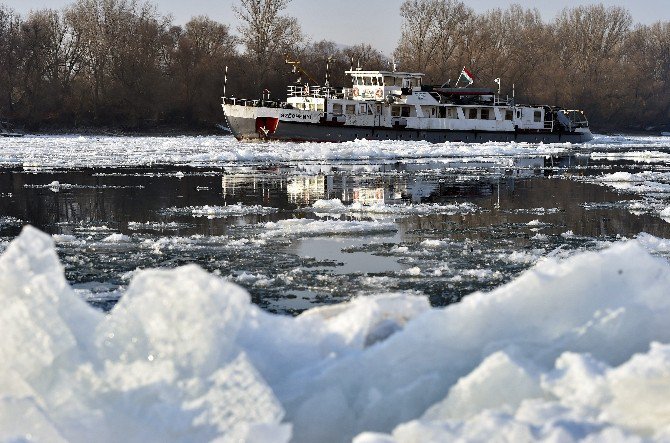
201,52
434,35
266,34
10,46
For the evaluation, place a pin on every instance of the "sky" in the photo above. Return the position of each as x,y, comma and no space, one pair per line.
351,22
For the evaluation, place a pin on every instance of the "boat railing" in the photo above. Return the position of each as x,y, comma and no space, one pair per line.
252,102
314,91
497,101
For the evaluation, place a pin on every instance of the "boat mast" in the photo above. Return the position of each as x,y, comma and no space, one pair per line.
298,68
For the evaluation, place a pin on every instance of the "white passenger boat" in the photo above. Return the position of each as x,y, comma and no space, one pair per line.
390,105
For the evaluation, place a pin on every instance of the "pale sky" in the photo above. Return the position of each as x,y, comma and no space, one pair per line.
350,22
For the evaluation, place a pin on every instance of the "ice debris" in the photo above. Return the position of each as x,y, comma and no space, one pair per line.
575,349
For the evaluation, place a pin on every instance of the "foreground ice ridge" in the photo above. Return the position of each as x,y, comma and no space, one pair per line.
571,350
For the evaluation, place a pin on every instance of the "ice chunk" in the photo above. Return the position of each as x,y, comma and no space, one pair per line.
182,315
235,210
367,320
573,349
116,238
497,383
307,227
162,366
42,320
335,206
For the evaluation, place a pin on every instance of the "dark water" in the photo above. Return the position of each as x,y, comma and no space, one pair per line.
108,223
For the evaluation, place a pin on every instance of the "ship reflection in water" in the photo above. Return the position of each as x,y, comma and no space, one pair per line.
450,226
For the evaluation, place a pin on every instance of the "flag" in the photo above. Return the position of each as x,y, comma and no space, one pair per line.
468,76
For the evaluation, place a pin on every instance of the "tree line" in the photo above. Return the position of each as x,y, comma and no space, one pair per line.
121,64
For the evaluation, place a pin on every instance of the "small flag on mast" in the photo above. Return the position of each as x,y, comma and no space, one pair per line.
468,76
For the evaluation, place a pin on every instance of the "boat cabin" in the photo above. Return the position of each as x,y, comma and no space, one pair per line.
375,85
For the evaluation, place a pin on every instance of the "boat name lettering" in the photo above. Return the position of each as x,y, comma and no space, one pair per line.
295,115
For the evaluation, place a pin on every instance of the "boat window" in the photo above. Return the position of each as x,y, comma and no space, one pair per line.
537,117
509,114
337,108
374,81
363,109
485,114
395,111
351,109
472,113
405,111
388,80
428,111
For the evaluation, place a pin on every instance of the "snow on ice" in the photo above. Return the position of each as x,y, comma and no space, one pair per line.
570,350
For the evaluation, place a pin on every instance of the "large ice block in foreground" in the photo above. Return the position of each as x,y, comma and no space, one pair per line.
571,350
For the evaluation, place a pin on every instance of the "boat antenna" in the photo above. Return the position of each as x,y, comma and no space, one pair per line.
498,81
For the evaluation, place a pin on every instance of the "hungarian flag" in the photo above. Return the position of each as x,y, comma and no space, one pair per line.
468,75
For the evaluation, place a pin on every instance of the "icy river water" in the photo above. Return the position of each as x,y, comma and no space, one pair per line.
306,225
546,267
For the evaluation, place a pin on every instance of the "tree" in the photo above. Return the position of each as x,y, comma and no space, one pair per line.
433,37
200,55
10,47
267,36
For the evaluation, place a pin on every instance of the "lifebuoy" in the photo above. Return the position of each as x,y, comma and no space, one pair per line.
356,93
379,93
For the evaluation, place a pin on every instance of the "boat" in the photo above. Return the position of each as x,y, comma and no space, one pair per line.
665,134
391,105
8,130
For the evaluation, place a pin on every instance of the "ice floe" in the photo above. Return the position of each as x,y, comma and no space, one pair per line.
335,206
235,210
571,350
309,227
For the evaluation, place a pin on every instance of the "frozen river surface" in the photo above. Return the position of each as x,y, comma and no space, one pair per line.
297,234
465,268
